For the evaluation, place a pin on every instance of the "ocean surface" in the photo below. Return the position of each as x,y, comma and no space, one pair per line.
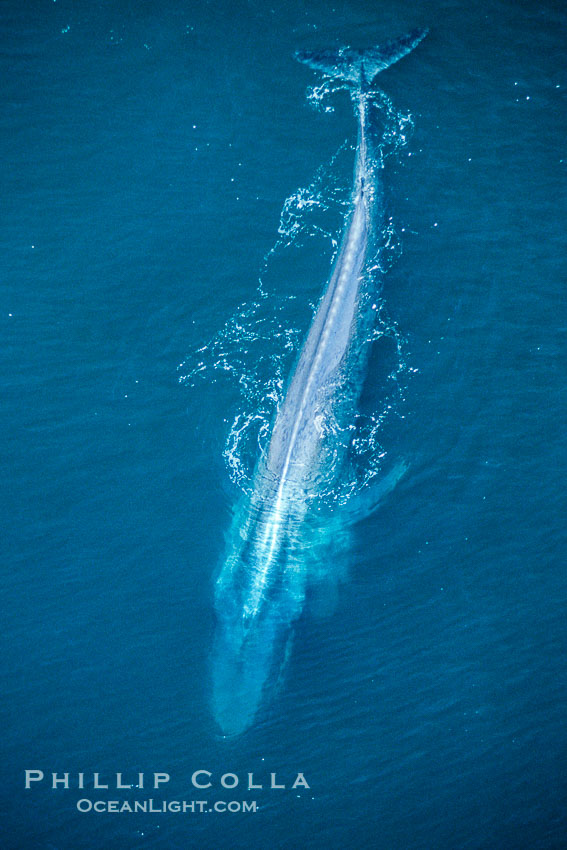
173,189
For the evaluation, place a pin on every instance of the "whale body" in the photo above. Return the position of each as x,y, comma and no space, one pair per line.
260,590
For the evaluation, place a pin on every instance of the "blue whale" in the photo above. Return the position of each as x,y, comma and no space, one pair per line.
261,589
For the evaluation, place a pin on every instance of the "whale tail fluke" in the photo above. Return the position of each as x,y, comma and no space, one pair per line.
360,67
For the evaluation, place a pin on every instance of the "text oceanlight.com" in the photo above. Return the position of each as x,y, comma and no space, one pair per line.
163,806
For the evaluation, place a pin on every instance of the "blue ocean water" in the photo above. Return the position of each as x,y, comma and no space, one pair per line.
151,152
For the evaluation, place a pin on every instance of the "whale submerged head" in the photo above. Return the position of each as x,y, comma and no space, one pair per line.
245,668
259,594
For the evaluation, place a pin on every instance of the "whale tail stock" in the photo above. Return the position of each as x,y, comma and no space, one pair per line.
360,67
